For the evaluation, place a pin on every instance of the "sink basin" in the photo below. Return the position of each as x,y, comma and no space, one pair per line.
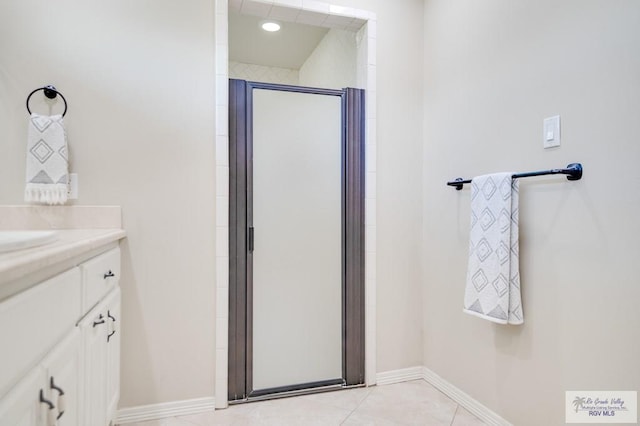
18,240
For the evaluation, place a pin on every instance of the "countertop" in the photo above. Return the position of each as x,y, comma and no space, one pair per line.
83,232
71,243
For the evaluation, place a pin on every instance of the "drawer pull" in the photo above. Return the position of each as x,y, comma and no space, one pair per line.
112,318
101,320
109,274
61,398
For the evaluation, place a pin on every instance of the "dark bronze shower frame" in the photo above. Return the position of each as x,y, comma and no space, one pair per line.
241,241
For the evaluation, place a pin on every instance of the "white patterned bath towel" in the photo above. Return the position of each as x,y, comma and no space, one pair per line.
47,160
493,278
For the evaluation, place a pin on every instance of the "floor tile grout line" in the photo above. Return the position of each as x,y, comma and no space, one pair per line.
369,390
455,413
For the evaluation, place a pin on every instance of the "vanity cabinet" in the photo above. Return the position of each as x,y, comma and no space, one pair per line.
60,355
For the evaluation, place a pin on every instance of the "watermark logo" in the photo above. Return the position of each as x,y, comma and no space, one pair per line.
601,406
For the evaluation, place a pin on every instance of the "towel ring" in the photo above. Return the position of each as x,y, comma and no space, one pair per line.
51,93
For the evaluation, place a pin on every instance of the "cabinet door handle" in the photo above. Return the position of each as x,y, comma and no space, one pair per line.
61,398
112,318
109,274
100,320
46,401
62,404
51,412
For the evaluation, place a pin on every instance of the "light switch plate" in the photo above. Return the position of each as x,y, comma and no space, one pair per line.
551,132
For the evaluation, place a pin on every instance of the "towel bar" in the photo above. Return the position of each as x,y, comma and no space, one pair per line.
51,93
573,172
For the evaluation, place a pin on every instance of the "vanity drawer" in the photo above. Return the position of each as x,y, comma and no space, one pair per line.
33,321
99,276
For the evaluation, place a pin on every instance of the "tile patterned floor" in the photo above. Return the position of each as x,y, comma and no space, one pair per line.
409,403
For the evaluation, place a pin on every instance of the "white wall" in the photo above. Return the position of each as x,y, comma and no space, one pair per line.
332,64
253,72
138,77
493,71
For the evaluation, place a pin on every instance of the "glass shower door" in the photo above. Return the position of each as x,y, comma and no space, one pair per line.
295,225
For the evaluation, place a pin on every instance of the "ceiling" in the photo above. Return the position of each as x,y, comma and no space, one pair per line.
288,48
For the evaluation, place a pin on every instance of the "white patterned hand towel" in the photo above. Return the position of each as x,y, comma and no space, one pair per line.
47,164
493,278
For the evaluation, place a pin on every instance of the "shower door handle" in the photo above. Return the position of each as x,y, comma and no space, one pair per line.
250,242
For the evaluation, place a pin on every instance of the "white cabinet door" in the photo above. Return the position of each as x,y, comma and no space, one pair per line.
62,384
94,342
101,345
22,406
35,321
113,353
49,395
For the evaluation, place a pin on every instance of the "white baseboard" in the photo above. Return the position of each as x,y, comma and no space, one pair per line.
166,409
397,376
470,404
200,405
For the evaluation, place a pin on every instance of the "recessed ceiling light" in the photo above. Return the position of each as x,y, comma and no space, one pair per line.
271,26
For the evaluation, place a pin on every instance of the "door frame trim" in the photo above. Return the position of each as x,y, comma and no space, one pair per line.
240,355
366,60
